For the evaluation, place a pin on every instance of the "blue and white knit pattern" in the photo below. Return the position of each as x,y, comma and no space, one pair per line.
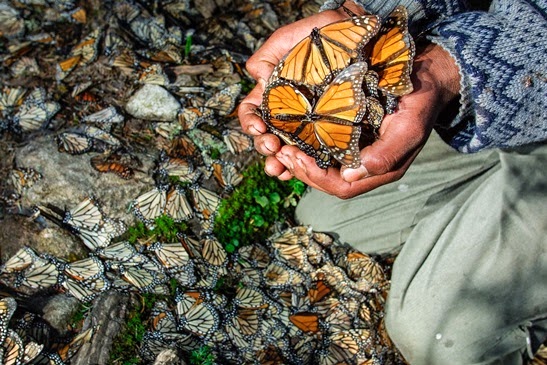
502,56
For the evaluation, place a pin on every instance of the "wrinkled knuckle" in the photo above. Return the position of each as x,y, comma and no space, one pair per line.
379,165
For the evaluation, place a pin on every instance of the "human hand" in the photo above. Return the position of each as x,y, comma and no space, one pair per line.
261,65
401,136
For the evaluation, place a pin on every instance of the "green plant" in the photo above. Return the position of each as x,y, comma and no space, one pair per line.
256,204
126,343
165,230
202,356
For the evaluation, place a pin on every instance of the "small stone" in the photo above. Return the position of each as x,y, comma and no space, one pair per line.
168,357
59,310
153,102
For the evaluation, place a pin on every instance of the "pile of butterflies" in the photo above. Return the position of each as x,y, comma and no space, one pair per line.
330,92
298,298
68,68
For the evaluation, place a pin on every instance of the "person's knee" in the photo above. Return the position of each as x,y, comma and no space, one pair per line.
418,337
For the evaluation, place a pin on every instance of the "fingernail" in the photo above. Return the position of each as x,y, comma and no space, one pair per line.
351,175
254,131
269,146
262,83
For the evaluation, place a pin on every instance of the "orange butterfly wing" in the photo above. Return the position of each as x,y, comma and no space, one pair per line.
327,50
339,110
306,322
392,53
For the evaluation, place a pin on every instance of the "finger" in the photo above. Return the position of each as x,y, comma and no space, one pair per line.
401,135
263,61
274,168
267,144
247,112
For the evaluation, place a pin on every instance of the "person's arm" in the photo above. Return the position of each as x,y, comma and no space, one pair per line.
501,55
421,13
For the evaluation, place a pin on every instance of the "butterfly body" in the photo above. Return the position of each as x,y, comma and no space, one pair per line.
327,126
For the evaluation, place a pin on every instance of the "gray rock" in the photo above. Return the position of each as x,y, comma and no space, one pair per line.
168,357
153,102
58,311
67,179
109,311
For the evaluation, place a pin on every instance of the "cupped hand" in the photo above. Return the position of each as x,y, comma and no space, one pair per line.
260,67
401,136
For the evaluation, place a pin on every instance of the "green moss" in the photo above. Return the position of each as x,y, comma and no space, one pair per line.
255,205
202,356
79,315
165,230
126,344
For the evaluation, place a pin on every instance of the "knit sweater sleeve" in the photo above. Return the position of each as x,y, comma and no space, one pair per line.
502,56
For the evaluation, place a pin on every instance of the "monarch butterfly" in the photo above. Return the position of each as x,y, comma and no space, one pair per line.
172,166
78,15
177,205
360,265
165,325
93,239
87,214
120,251
142,279
8,305
256,254
154,74
237,141
150,205
32,350
329,127
101,135
391,53
22,259
66,66
74,143
191,117
12,349
87,48
35,111
206,202
292,254
200,319
182,146
318,291
106,115
205,140
250,298
339,319
224,101
305,321
24,178
85,270
213,252
171,255
11,97
41,277
226,174
69,350
279,275
347,345
79,290
25,66
119,162
326,51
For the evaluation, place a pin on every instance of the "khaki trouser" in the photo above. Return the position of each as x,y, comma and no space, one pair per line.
469,285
